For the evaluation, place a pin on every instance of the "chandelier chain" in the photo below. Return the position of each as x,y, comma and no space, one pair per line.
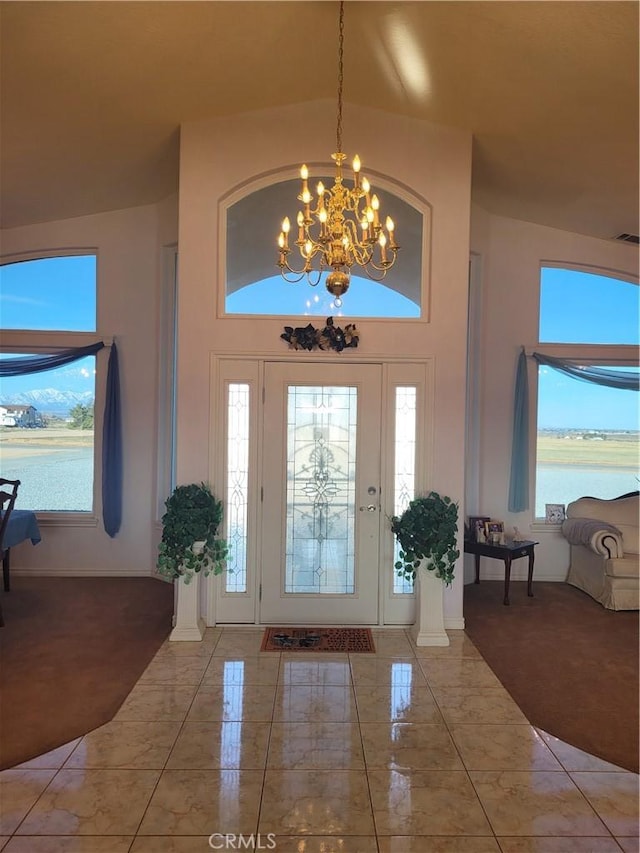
340,77
342,227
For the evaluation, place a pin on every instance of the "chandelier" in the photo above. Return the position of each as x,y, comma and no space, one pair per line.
344,227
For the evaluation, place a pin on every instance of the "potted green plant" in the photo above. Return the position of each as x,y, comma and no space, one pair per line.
190,543
426,532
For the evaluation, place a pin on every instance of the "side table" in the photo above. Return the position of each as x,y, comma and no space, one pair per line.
508,552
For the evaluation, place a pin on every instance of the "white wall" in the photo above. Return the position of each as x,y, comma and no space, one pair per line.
511,253
128,248
219,155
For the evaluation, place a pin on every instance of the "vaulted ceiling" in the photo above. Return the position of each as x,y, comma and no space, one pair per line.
93,94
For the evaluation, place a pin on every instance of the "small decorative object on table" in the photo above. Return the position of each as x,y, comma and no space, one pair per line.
476,527
330,337
554,513
494,532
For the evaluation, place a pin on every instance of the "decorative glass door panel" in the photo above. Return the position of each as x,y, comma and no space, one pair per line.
321,468
321,494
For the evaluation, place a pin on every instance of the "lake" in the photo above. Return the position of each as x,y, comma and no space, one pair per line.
62,479
561,484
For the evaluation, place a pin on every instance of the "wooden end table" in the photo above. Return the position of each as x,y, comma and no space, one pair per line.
508,552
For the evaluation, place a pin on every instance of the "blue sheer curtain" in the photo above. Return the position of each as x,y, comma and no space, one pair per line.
112,449
112,426
39,363
519,480
627,380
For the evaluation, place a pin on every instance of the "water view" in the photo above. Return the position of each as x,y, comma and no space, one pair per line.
574,463
55,467
562,484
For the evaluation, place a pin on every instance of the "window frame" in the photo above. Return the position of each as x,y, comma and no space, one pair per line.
42,342
604,355
604,272
167,355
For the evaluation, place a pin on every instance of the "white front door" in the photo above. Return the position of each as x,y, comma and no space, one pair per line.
321,508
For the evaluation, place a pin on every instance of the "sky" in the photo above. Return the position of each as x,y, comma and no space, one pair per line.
575,307
572,404
50,293
364,298
578,307
47,294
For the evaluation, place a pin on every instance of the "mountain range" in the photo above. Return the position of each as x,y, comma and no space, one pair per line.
51,401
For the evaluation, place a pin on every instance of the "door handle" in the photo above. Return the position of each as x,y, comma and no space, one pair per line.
369,508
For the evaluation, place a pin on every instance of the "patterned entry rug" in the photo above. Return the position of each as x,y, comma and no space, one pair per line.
317,640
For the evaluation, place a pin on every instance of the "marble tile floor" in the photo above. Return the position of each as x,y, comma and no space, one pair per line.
408,750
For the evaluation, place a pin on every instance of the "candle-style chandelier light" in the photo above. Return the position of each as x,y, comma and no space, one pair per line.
344,228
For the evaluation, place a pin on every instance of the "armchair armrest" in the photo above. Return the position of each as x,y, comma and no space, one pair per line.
602,538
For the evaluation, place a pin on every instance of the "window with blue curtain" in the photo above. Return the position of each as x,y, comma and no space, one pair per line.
49,430
588,417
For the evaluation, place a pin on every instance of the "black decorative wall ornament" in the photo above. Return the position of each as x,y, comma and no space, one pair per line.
330,337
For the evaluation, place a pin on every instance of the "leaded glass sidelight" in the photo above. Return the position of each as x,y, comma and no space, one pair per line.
404,465
321,471
237,486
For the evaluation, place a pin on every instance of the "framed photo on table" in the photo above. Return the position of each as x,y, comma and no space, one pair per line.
476,527
554,513
494,532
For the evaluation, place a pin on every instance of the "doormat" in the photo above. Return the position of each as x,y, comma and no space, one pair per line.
317,640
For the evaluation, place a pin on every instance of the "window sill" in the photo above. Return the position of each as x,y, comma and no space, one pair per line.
67,519
543,527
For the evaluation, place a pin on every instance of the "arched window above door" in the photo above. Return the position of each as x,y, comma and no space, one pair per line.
253,284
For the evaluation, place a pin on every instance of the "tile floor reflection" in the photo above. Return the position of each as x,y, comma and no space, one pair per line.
404,751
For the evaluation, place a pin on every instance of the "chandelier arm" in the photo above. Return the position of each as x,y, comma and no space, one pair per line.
383,272
285,266
291,276
314,281
294,276
384,262
316,249
363,255
349,228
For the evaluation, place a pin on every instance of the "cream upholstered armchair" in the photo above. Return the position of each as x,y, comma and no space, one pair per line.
603,535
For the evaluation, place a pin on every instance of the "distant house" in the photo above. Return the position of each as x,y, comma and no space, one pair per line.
19,416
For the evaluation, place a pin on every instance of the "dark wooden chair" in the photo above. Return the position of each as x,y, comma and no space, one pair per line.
8,495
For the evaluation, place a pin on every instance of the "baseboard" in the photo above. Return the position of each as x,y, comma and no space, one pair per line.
496,573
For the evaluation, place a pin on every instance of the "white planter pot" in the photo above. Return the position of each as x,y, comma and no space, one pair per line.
428,629
188,624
